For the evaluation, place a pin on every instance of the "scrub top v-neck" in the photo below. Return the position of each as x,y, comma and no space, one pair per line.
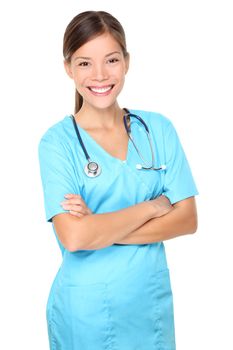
118,297
94,144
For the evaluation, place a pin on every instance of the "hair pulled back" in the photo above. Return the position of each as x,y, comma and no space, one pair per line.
86,26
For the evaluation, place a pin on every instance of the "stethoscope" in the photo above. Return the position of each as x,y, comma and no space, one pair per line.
93,169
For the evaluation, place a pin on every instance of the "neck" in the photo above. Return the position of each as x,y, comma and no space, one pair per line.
93,118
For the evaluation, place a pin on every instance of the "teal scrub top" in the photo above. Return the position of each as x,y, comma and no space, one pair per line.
118,297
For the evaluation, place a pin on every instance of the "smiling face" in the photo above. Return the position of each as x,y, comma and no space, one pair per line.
98,69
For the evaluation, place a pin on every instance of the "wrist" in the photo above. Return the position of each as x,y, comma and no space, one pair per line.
149,210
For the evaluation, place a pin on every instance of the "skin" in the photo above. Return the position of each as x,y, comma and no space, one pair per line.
170,221
100,63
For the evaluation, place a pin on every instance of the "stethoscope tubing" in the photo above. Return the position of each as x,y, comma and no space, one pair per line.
93,169
128,128
80,140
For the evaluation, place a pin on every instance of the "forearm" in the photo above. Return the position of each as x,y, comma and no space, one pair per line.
101,230
179,221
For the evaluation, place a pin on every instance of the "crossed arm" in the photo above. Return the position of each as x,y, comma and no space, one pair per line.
147,222
179,221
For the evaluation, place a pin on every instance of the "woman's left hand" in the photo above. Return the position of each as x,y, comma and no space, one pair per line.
75,205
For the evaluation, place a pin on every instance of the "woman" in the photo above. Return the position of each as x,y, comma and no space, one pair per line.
110,209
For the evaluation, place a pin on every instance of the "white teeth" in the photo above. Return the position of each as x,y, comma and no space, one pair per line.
100,90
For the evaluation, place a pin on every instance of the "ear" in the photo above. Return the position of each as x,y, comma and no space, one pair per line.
68,69
127,59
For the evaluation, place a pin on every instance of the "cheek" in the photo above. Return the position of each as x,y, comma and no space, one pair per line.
122,81
81,79
122,71
118,75
121,75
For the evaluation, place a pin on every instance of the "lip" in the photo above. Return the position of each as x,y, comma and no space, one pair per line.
101,90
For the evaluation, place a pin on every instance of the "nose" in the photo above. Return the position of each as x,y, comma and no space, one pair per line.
100,72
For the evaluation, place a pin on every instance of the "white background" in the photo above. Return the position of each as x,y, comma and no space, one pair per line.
181,66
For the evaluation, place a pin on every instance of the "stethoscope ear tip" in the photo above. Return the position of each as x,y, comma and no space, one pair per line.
163,167
138,166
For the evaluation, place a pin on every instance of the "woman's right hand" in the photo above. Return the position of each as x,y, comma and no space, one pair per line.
162,206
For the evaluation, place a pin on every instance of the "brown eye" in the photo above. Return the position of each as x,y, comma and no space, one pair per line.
83,64
113,60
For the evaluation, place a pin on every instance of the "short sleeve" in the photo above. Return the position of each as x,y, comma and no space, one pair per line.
57,174
178,183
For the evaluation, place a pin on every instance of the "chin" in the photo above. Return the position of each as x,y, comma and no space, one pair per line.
103,105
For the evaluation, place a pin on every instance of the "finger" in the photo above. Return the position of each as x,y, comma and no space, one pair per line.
165,198
74,213
77,201
76,208
72,195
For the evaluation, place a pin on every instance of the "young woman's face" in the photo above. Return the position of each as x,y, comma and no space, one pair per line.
98,69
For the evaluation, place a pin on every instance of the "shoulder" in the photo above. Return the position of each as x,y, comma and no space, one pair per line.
58,132
152,117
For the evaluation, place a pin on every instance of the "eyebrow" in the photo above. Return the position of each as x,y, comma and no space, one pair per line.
89,58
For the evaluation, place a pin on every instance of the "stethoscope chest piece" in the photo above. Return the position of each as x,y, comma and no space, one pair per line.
92,169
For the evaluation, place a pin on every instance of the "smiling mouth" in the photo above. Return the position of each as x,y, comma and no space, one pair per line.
100,90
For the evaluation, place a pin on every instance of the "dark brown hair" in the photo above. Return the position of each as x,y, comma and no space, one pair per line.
86,26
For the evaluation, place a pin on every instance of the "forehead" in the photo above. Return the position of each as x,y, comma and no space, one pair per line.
101,45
